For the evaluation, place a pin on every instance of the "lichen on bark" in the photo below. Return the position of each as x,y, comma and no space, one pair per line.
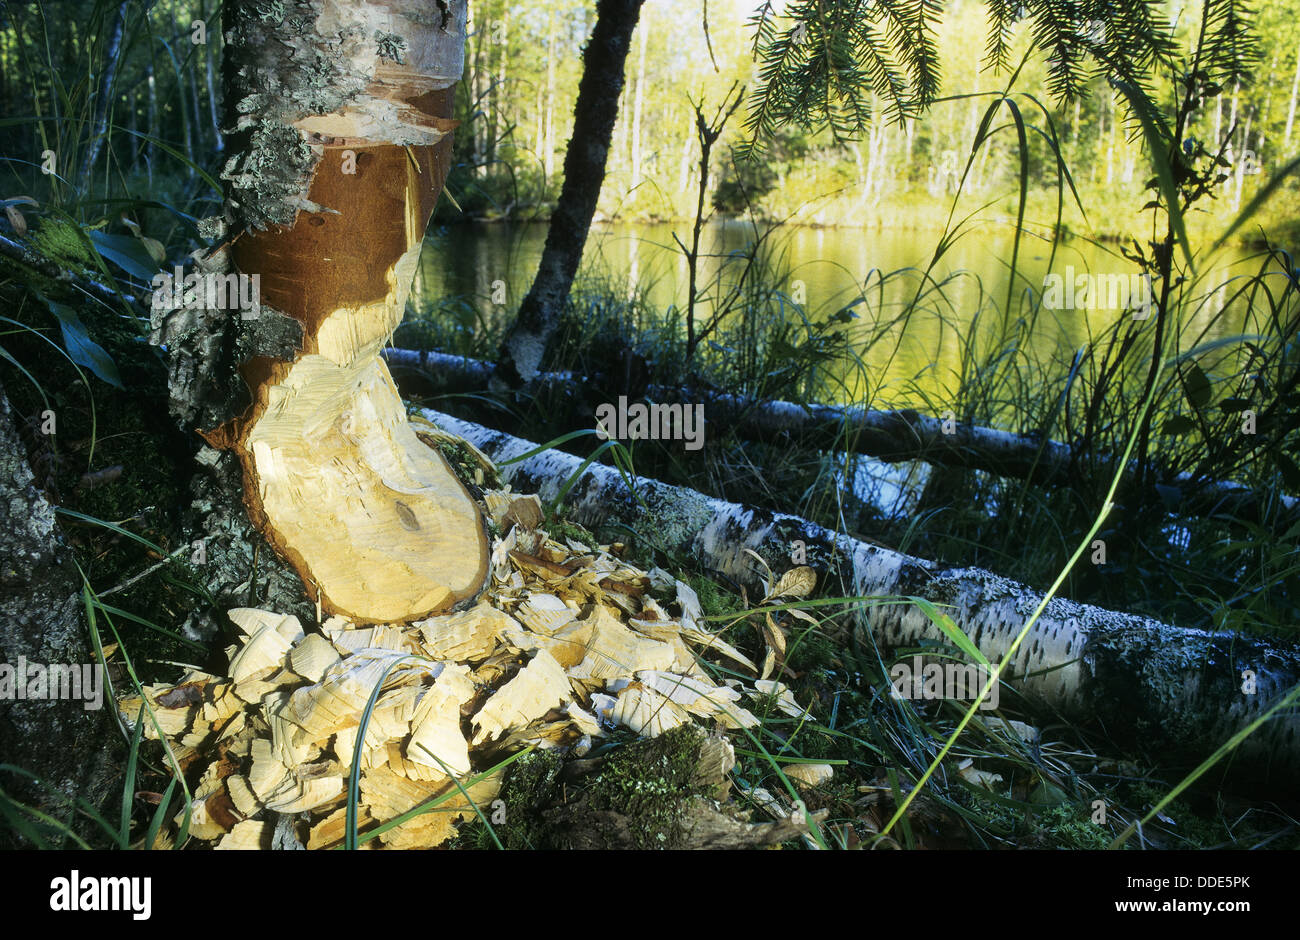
74,750
279,69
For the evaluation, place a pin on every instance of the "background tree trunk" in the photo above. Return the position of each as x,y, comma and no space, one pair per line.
103,97
594,114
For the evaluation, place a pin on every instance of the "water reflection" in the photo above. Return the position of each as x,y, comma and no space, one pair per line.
881,270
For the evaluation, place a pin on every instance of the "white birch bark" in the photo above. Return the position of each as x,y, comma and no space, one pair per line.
1177,689
1295,91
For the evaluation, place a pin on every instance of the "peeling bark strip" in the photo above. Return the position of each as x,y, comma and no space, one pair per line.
343,145
891,436
1175,689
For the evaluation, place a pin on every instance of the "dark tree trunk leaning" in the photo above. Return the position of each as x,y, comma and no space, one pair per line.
594,114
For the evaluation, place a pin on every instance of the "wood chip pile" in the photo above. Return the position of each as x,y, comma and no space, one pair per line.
566,643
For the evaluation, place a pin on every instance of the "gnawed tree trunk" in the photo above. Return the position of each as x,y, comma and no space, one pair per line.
891,436
340,147
71,744
1179,690
521,352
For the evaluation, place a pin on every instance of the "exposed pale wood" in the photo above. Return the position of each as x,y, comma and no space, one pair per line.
564,672
249,834
647,712
539,687
375,523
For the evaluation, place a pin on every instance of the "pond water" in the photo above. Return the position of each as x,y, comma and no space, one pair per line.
485,269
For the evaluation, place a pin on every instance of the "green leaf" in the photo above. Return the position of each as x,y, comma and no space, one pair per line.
1197,386
1157,135
1290,472
951,630
83,350
159,815
128,785
128,253
1178,424
1234,405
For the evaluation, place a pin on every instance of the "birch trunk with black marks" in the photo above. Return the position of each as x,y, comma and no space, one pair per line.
104,94
889,436
521,352
1179,691
338,123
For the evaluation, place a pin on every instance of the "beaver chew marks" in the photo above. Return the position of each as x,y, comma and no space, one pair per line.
373,520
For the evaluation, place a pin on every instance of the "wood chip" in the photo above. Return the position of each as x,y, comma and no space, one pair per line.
436,740
544,613
535,690
249,834
468,636
646,712
312,656
615,651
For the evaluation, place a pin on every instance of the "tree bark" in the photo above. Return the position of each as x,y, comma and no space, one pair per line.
72,747
890,436
340,124
99,122
1172,689
521,352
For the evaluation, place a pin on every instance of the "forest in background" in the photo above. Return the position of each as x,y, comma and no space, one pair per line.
516,110
125,100
898,175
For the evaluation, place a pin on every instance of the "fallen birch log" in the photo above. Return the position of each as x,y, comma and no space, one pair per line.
1177,690
889,436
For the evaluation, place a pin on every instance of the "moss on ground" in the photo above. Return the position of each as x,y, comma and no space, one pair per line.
635,798
61,242
561,529
648,785
467,467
